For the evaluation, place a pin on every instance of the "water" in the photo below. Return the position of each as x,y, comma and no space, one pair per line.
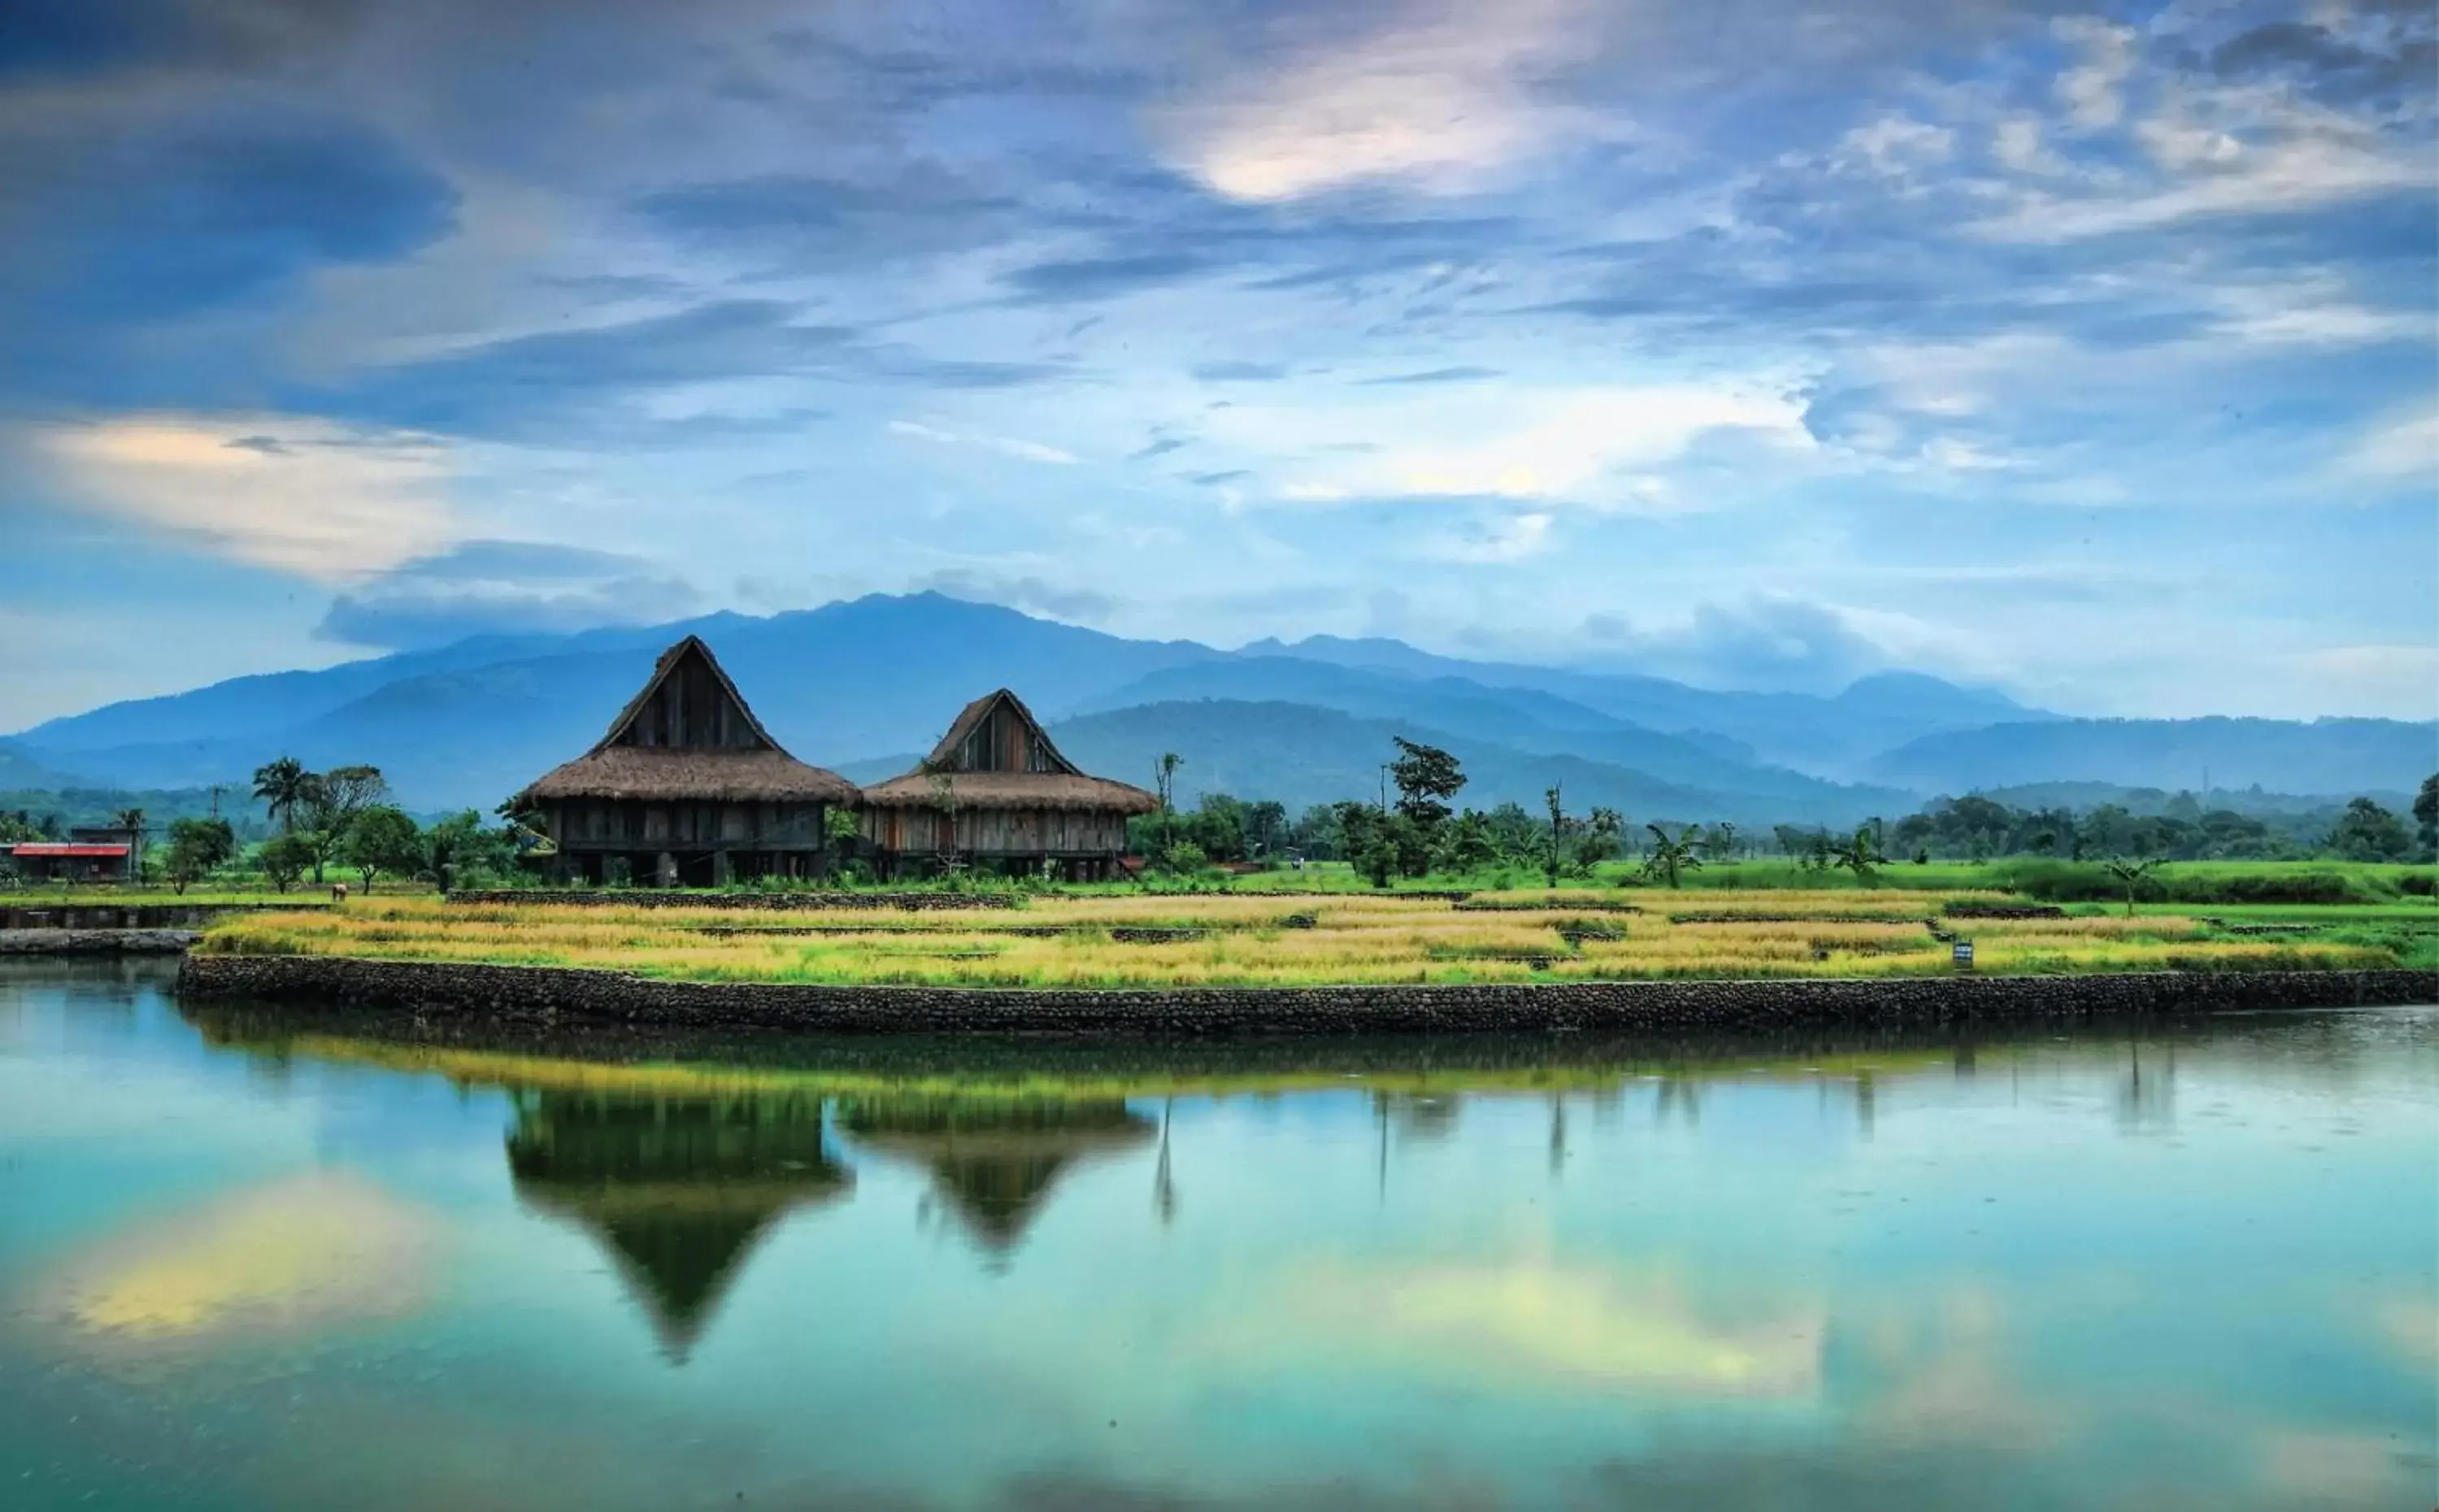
256,1261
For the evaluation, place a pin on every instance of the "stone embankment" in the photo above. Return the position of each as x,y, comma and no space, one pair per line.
642,898
510,995
96,941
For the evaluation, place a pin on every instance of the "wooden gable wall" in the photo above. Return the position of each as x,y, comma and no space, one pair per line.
1005,740
691,708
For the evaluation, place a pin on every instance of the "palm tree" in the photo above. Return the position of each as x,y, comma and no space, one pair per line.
1672,859
131,820
282,786
1164,774
2129,875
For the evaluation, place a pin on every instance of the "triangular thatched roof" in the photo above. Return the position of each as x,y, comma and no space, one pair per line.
997,756
689,734
679,1190
995,1162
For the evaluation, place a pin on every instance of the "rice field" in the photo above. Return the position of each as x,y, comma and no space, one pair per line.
1252,940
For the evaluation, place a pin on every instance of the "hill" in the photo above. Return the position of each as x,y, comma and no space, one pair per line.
2321,756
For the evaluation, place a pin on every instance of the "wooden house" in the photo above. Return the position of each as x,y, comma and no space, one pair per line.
687,789
996,794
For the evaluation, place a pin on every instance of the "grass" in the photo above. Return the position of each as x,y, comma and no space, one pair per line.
1246,939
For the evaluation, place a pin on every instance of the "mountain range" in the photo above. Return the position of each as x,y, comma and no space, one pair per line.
864,684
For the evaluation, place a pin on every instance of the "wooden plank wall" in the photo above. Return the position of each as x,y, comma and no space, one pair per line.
690,710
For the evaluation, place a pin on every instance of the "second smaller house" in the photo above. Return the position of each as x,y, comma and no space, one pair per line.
88,856
996,794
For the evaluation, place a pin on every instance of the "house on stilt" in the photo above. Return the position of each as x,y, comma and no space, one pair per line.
687,790
996,796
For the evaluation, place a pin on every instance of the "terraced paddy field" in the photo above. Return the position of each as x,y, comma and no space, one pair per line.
1254,940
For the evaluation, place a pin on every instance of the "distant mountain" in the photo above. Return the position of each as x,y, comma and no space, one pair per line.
1300,755
2321,757
858,685
20,769
1834,737
2254,802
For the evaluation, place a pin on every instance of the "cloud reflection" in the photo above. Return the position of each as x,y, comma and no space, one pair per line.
296,1255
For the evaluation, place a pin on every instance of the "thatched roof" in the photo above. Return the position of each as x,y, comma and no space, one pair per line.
1047,778
680,1190
755,769
995,1165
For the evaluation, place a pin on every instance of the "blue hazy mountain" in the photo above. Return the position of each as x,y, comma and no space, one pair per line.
2315,757
858,680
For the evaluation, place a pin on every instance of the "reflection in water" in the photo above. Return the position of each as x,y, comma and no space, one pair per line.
1956,1268
994,1161
293,1255
1537,1321
679,1189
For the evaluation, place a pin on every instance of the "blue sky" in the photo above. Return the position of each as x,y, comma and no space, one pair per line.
2088,355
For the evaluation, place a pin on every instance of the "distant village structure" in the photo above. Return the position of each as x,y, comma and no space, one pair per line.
996,794
88,855
687,790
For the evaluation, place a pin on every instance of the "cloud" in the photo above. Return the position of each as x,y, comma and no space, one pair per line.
1438,97
312,497
1765,642
1513,538
1437,374
2405,448
1006,446
1076,279
1032,594
1240,372
505,588
1578,444
2092,91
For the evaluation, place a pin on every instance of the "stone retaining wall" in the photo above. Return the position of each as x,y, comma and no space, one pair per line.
512,995
96,941
132,916
653,897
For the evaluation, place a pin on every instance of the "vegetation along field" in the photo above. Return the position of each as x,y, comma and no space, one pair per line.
1149,940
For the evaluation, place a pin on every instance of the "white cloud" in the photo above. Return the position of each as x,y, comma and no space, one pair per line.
1004,445
1438,99
1511,540
2406,448
1585,445
307,496
2312,311
2093,93
1894,144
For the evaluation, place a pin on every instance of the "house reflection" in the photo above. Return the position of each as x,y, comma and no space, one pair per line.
994,1161
678,1189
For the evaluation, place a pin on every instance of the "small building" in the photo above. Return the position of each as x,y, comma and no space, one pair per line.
687,789
72,860
996,794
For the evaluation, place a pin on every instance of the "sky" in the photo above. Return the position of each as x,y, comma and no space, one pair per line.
2089,355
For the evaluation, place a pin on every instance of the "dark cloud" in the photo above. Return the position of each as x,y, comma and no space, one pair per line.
1080,279
812,220
531,383
1213,480
267,445
502,588
2332,66
1161,446
162,218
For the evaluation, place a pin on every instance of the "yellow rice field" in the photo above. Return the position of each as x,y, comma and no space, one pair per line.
1259,940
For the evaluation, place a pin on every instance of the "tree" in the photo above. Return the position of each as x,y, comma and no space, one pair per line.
2129,875
197,846
132,821
460,844
283,859
1557,832
1164,778
283,785
1671,858
1370,839
1722,842
1427,778
2425,813
1859,855
331,801
2366,831
1598,840
383,839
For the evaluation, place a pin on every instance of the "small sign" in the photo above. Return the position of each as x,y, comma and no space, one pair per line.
1962,951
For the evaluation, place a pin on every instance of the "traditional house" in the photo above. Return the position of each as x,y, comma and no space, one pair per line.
680,1190
687,790
83,859
996,793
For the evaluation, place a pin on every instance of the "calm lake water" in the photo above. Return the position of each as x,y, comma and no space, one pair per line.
258,1261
